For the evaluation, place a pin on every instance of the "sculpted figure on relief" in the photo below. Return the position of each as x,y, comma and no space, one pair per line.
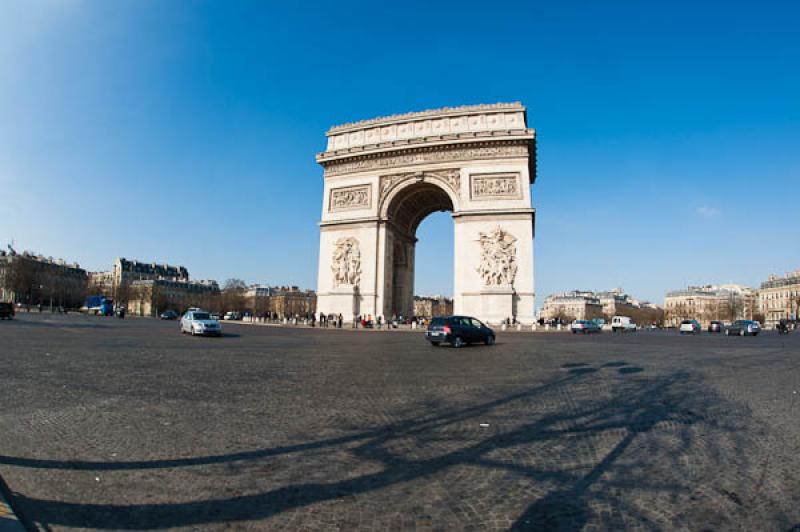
346,263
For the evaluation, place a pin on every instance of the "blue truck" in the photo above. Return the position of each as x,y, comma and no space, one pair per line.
99,305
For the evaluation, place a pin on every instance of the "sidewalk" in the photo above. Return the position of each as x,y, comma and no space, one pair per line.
400,328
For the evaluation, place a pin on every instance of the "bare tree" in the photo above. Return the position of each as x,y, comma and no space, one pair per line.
735,306
124,293
234,284
233,295
564,317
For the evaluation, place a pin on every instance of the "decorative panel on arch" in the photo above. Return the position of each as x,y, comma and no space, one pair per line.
350,198
495,186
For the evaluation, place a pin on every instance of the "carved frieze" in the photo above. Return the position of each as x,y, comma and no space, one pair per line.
346,262
495,186
349,198
498,266
496,151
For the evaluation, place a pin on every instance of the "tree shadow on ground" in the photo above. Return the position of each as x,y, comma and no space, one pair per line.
658,452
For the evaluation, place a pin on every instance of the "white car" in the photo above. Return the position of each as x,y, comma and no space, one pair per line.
200,322
584,327
689,327
622,324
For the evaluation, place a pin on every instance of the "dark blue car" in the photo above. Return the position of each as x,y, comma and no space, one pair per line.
458,331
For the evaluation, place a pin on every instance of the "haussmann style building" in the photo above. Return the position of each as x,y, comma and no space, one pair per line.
432,306
33,279
280,301
151,297
725,303
576,305
589,305
779,298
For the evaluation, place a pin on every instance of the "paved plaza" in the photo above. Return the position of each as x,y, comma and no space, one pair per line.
112,424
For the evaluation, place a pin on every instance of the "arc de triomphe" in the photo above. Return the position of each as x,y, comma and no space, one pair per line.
384,176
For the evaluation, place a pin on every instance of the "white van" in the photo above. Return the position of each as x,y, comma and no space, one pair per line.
622,324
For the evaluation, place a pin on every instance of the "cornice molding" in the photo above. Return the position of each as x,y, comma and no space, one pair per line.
484,149
416,115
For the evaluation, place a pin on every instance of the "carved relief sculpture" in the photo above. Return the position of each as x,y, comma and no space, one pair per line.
346,263
347,198
452,177
495,186
498,265
389,181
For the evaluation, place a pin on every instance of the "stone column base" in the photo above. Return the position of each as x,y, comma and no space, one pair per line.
343,300
497,304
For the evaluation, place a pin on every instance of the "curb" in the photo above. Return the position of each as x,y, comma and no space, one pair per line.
404,329
9,522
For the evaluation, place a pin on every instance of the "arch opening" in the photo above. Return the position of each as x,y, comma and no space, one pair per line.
414,203
404,214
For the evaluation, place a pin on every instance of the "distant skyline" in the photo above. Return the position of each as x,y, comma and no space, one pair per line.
185,132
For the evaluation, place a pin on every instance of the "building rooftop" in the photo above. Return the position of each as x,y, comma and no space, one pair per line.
788,279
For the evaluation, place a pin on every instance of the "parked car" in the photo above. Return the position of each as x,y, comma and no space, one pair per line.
690,327
458,331
743,328
715,327
232,316
6,311
584,327
199,322
169,315
622,324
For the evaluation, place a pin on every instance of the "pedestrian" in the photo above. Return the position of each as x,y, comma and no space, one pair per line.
341,320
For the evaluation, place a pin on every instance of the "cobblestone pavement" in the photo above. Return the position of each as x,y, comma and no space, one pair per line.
129,425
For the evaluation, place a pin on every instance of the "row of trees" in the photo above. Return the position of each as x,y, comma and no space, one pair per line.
34,282
728,308
154,299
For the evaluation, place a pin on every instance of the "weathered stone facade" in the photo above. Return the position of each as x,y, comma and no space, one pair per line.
432,306
618,303
150,297
779,298
571,306
384,176
281,301
33,279
708,303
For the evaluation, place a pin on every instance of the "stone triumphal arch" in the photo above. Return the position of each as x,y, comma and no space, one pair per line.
384,176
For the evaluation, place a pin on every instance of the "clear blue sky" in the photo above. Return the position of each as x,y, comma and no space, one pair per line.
668,132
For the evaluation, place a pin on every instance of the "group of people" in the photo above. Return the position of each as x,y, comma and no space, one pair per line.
327,320
784,326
